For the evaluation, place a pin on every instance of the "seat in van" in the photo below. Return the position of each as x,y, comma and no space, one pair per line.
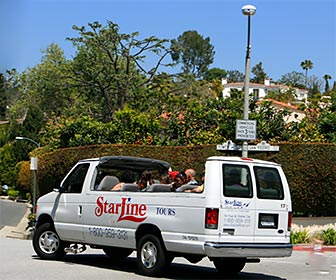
129,188
108,183
159,188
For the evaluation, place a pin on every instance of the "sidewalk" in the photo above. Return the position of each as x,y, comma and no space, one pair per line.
20,230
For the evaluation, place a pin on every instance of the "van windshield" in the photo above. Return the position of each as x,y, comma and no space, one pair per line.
269,184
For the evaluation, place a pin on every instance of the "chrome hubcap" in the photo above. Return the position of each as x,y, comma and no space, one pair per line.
49,242
149,254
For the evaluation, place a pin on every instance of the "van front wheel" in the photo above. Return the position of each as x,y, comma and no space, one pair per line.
47,243
151,256
229,265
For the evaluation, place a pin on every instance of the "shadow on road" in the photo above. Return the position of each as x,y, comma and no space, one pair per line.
176,270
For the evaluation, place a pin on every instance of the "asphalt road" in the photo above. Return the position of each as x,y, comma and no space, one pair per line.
11,212
19,261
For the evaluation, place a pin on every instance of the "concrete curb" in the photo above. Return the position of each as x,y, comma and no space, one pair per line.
310,247
20,231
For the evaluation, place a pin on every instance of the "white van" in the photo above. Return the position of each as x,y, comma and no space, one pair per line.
243,214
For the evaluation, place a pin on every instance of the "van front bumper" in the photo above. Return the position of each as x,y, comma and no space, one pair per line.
259,250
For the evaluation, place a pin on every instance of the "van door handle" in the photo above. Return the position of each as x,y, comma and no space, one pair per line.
80,208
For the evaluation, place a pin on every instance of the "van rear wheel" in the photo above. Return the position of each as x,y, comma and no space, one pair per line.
152,257
229,265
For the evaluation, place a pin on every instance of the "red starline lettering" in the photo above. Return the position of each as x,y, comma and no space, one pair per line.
126,210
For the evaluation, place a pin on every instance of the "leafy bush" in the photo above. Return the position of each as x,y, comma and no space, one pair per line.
13,193
328,236
300,236
325,233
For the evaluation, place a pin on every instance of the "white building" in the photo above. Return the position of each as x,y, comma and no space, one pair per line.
260,91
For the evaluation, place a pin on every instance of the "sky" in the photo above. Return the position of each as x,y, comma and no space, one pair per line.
283,32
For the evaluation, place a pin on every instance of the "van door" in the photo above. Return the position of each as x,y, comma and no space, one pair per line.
68,206
237,210
272,205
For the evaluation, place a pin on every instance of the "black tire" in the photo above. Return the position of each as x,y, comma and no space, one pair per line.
152,258
117,254
47,244
229,266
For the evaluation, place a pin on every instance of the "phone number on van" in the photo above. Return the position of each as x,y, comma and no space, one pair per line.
108,233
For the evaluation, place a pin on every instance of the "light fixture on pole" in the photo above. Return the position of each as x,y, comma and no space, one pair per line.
26,138
247,10
33,166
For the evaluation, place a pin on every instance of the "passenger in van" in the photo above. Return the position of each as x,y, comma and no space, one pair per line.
145,180
191,176
179,180
200,188
165,178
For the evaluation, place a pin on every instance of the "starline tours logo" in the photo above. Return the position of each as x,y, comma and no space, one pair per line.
126,210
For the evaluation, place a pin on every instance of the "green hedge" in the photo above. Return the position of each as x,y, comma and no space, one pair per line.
310,168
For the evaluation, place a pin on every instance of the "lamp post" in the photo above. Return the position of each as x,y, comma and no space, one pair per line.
247,10
33,166
26,138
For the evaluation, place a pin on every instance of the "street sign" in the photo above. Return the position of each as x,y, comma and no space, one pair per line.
33,163
246,130
263,146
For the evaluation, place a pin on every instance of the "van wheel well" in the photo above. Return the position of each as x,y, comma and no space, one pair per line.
146,229
44,219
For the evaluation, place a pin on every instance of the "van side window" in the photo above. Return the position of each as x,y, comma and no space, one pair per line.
75,181
237,181
269,184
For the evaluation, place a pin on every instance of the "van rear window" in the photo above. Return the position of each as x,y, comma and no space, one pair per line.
269,184
237,181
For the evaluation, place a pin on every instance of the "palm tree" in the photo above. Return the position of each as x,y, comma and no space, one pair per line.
326,77
306,65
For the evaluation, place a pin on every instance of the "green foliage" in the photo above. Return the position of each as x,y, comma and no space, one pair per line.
293,79
8,160
270,122
215,74
314,233
71,132
13,193
194,52
287,96
259,74
3,97
300,237
108,66
328,236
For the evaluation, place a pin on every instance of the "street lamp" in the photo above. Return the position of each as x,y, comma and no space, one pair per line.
26,138
247,10
33,166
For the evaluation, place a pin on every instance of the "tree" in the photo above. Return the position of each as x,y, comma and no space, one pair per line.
293,79
234,76
3,97
326,77
108,66
215,74
194,52
259,74
287,96
306,65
